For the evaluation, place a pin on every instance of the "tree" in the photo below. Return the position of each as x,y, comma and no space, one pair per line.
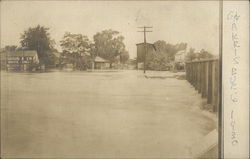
169,49
76,47
162,48
180,46
191,55
203,54
165,53
38,38
75,43
159,61
124,57
109,44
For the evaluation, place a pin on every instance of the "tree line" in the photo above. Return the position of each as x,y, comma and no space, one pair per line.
76,48
165,55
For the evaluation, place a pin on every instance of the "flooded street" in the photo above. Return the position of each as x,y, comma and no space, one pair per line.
99,115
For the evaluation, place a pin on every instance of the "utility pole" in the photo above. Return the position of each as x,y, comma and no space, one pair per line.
145,45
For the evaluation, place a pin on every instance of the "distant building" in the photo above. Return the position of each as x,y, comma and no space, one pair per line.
100,63
180,56
57,56
132,64
141,53
68,67
180,59
19,60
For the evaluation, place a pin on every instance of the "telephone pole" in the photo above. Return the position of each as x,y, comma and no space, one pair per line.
145,45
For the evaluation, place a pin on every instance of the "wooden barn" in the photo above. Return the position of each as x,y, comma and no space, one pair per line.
150,48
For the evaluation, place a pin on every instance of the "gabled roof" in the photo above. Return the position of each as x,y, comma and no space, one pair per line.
149,44
99,59
143,44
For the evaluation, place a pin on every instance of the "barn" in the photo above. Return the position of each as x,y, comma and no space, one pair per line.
150,48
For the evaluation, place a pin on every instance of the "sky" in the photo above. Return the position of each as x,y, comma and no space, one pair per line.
193,22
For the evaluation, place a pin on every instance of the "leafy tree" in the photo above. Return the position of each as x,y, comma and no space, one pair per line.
159,61
169,49
203,54
163,48
180,46
124,57
109,44
75,43
38,38
76,49
191,55
165,53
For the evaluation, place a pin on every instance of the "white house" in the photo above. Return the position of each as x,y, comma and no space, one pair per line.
179,60
180,56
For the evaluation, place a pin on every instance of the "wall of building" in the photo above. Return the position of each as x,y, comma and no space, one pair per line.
141,51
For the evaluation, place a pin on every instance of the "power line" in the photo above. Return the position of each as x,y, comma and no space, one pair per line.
145,44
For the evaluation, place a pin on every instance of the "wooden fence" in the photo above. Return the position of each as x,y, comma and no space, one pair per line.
204,76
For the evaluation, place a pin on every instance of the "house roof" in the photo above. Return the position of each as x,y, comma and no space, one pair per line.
143,44
149,44
19,53
99,59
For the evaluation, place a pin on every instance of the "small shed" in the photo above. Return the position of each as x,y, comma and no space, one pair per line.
100,63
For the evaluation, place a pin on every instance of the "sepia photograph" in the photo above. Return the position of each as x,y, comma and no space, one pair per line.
110,79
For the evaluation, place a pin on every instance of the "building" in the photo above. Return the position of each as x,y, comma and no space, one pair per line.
100,63
180,56
180,59
19,60
150,48
56,57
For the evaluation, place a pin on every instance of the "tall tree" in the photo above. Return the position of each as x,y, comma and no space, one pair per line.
169,49
75,43
158,61
109,44
191,55
124,56
77,49
38,38
203,54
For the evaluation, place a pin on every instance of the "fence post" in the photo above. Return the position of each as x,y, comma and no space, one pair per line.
215,86
200,77
204,76
210,83
196,75
203,91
